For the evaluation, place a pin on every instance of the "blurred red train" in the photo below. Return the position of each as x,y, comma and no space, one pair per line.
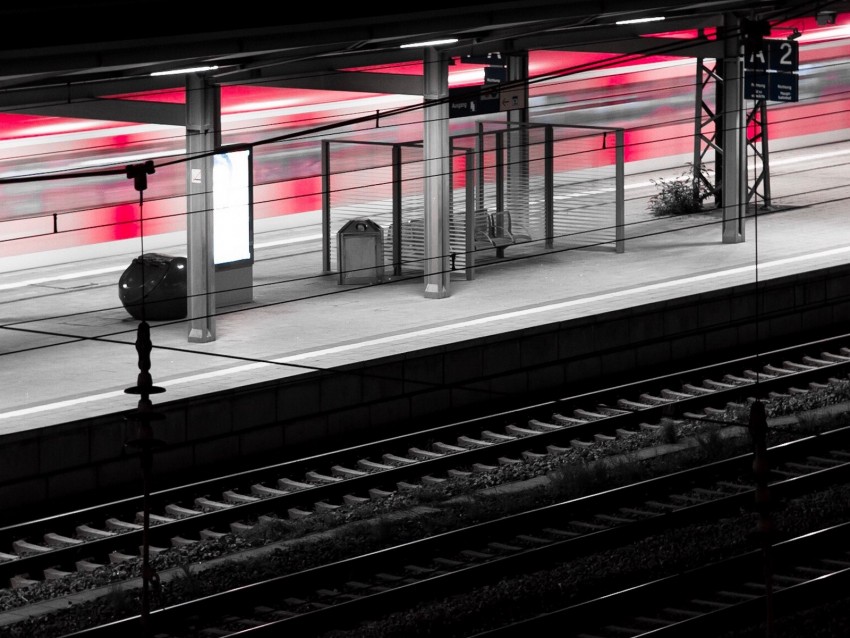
651,97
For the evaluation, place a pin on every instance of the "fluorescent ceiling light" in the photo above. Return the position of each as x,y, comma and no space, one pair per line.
639,20
195,69
429,43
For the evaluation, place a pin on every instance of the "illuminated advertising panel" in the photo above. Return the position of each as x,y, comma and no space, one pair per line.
232,209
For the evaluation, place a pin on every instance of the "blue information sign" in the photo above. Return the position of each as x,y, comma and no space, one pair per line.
771,72
473,100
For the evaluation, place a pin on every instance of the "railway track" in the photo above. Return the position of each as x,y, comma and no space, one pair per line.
339,594
729,594
84,540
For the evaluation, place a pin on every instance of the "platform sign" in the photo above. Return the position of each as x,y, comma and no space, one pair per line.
783,87
511,99
467,101
770,73
755,85
775,55
472,100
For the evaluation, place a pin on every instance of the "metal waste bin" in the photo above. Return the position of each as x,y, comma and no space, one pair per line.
360,252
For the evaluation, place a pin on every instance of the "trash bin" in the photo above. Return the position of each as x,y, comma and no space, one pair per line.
159,280
360,252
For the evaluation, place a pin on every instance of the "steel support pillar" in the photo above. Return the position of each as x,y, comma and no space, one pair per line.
203,136
517,192
733,135
437,175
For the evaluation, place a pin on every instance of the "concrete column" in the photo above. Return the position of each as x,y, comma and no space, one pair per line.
437,175
733,137
203,135
517,192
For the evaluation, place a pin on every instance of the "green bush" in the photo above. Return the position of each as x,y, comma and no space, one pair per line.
680,196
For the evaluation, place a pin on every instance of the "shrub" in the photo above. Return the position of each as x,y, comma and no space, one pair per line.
680,196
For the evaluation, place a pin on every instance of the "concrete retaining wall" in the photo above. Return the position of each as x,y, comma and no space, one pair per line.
64,466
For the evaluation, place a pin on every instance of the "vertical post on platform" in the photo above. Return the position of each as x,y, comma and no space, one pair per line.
518,137
203,136
764,530
437,174
733,135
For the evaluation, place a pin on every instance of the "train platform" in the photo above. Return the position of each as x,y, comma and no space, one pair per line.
67,344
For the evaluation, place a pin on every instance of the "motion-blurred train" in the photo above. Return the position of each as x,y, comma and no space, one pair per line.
651,97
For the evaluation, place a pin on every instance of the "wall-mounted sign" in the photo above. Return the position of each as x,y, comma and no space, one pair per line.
770,73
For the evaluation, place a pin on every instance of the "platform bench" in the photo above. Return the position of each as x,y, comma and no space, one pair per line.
494,230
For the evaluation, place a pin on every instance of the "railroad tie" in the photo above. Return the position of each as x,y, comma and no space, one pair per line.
324,506
432,480
372,466
322,479
346,472
208,505
481,468
21,581
495,437
817,363
472,444
92,533
567,420
633,406
24,547
673,395
655,400
178,511
608,411
121,526
87,565
798,367
625,434
527,455
518,431
291,485
235,498
418,570
477,554
181,541
835,358
423,455
588,415
238,527
266,491
297,514
718,385
54,573
447,448
119,557
392,459
776,371
57,540
541,426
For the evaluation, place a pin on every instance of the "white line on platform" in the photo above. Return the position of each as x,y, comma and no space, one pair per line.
102,271
435,330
